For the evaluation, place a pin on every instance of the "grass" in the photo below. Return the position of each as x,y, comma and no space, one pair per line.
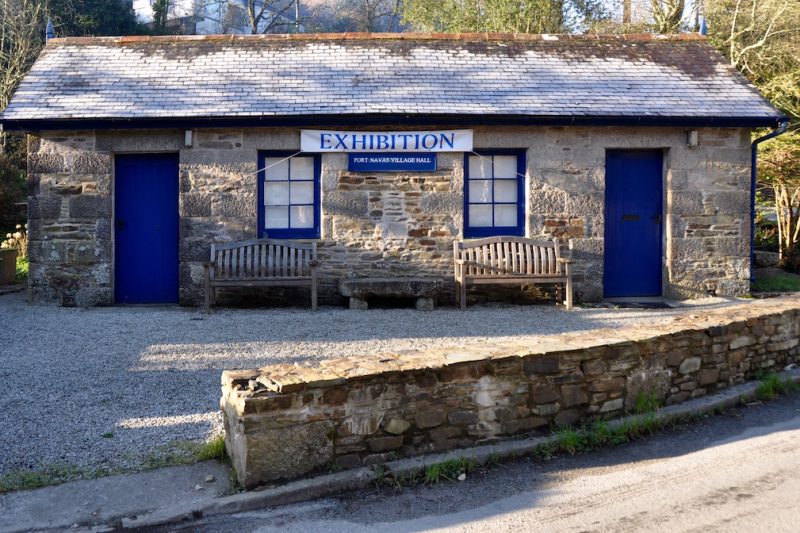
772,386
23,479
599,435
646,402
22,268
212,449
778,282
174,454
186,452
448,470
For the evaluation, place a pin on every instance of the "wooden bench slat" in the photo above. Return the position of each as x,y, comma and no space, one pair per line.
512,260
261,262
528,259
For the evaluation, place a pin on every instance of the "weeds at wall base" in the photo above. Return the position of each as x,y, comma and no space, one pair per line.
174,454
600,434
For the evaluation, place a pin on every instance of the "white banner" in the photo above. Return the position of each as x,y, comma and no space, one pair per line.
386,141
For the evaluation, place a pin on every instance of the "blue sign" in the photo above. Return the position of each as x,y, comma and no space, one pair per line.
391,162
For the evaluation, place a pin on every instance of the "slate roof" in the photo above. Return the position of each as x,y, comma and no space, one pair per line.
478,77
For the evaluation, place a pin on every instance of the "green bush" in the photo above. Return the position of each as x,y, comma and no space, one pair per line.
12,192
22,268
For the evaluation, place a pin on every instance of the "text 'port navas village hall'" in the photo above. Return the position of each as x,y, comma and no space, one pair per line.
384,149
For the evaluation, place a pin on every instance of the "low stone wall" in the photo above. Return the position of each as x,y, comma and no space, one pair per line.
284,421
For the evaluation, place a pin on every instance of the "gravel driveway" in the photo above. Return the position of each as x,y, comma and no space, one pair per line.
106,387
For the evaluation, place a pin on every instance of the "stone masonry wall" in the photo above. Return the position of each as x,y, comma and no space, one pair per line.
388,224
284,421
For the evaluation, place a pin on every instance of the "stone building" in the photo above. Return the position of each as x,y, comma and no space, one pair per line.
145,150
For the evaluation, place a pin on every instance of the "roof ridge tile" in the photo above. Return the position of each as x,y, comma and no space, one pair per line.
366,36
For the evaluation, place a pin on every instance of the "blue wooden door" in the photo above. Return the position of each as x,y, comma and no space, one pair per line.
146,228
633,222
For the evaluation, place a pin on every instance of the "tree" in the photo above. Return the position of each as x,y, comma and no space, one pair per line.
251,16
267,16
368,15
21,38
518,16
91,17
667,15
761,38
780,168
160,14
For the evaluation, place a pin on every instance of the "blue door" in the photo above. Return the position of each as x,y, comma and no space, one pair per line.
146,228
633,220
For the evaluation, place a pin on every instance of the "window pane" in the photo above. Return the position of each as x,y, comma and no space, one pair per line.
505,215
276,193
480,167
505,190
276,171
302,168
302,192
302,216
276,217
505,166
480,191
480,216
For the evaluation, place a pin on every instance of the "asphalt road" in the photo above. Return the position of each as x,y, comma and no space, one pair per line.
735,472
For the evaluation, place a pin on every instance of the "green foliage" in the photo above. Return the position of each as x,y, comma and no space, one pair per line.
526,16
92,17
646,402
12,192
212,449
572,441
448,470
598,435
778,282
772,386
22,268
25,479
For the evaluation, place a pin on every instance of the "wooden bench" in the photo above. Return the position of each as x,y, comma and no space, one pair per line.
510,261
261,263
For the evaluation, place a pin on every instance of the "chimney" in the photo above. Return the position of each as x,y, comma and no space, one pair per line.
49,33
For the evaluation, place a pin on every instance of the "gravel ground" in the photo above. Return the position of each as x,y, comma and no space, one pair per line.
106,387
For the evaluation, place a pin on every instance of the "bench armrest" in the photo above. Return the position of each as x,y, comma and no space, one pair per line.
459,261
566,260
313,263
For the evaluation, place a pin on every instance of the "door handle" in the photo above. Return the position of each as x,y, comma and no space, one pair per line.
656,219
120,225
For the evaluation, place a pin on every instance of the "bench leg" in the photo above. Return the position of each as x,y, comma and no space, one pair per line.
425,304
207,294
569,287
463,295
314,290
357,304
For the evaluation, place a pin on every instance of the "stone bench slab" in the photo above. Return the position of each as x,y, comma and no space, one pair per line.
423,289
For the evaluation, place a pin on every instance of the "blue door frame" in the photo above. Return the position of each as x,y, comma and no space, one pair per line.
146,228
633,223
